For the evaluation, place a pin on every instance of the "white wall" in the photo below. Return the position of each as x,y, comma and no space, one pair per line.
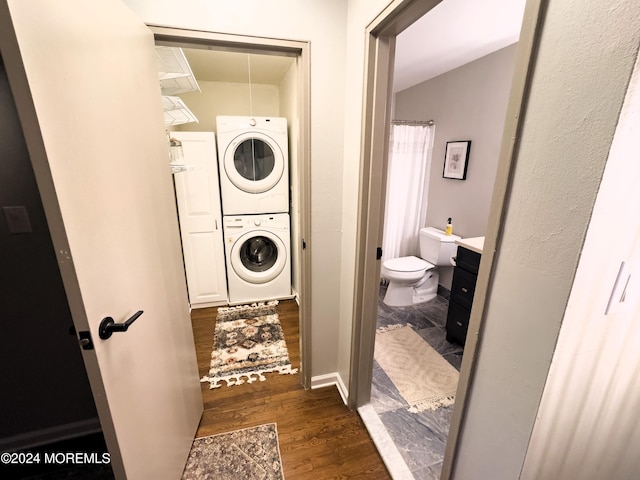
586,54
224,98
361,13
468,103
323,24
586,427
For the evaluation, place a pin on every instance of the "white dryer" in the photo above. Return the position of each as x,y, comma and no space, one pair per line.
254,164
258,254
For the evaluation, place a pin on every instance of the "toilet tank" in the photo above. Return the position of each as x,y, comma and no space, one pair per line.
436,247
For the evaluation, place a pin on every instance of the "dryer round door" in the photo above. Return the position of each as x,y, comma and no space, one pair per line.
254,162
258,256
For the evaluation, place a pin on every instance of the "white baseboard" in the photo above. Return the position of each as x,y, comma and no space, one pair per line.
219,303
331,379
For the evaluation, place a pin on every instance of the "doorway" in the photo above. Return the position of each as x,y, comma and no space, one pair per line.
467,100
243,49
380,51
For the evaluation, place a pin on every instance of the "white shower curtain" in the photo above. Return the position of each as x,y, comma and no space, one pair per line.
407,188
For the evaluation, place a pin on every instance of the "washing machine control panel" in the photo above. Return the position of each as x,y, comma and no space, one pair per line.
236,225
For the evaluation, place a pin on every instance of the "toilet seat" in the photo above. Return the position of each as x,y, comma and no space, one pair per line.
406,264
406,270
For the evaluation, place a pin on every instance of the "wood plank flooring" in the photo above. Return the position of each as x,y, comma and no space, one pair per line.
320,438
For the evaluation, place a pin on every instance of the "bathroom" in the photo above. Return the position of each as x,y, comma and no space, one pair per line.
465,104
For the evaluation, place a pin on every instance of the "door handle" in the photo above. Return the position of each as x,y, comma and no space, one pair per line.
108,325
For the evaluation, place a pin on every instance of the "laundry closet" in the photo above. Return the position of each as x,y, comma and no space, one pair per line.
231,123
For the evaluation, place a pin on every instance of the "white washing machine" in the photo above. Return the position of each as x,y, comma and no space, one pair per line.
254,164
258,254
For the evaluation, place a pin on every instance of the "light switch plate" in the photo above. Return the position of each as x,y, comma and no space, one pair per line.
625,292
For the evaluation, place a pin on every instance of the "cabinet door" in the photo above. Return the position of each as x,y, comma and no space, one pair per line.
457,323
463,287
198,199
468,259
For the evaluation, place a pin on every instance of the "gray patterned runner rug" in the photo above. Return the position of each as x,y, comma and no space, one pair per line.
251,453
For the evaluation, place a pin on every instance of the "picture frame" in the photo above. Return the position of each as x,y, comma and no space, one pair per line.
456,159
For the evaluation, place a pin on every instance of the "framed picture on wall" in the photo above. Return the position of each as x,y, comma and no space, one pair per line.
456,160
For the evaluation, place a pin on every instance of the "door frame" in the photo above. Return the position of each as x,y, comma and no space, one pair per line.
301,50
380,41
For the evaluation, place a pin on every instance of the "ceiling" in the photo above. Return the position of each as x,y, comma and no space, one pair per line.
454,33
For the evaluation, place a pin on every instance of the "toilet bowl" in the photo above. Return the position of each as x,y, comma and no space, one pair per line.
414,280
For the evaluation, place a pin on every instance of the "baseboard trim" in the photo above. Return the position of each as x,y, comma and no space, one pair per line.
328,380
219,303
444,292
50,435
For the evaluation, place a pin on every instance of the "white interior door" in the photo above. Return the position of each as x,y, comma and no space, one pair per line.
198,199
84,81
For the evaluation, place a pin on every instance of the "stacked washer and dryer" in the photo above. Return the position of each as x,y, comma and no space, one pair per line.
254,185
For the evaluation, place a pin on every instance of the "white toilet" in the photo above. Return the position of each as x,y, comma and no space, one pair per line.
414,280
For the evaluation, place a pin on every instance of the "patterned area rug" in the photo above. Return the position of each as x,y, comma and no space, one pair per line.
251,453
424,379
248,342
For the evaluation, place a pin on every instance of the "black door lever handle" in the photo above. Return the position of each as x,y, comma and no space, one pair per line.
108,325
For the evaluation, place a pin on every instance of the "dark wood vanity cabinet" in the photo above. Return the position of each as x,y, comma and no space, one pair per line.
463,287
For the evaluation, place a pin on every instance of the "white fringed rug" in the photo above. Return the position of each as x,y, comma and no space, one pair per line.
248,342
424,379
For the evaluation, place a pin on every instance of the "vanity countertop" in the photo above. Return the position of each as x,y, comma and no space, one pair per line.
474,244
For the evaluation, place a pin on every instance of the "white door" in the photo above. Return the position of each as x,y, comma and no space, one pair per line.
84,81
198,199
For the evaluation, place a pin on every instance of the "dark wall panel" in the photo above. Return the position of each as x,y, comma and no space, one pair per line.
44,383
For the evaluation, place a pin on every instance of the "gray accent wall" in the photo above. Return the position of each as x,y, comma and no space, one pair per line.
468,103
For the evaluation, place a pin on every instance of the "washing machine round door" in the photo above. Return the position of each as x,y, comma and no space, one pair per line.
254,162
258,257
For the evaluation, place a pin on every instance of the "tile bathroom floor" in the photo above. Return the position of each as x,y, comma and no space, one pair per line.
419,437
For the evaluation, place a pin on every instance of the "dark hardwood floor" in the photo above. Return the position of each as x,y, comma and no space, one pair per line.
320,438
